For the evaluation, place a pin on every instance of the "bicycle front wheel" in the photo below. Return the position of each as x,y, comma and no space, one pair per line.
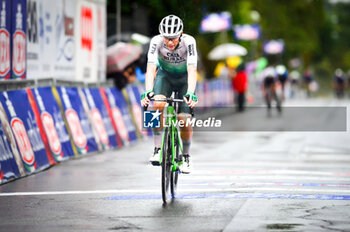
166,166
175,175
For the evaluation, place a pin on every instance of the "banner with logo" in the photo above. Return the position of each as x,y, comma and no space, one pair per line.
121,115
86,44
247,32
65,41
5,39
11,165
110,114
77,120
18,45
41,38
33,47
25,130
40,126
101,42
138,89
54,126
134,98
274,47
96,136
100,118
216,22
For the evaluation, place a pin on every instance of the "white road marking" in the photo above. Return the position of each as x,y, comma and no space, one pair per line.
264,177
184,190
277,172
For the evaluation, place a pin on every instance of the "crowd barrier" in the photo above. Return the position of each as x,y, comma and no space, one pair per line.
46,122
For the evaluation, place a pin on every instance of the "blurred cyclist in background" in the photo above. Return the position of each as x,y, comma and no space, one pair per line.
282,74
176,55
269,88
339,83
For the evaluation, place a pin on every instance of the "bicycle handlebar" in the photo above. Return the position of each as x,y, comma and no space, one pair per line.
169,100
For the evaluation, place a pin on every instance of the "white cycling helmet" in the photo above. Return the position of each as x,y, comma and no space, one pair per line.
171,26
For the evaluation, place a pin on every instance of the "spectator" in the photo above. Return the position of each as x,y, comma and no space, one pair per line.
240,83
121,79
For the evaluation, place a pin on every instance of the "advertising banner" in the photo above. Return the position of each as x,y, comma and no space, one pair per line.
77,120
247,32
121,115
18,45
101,41
40,126
216,22
5,39
65,41
53,124
138,89
57,97
134,98
33,47
11,165
41,38
110,114
86,108
25,130
100,118
86,44
274,47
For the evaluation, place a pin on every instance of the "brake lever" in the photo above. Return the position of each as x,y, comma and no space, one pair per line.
150,95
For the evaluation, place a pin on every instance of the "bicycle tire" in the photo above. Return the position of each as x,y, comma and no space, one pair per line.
166,167
175,175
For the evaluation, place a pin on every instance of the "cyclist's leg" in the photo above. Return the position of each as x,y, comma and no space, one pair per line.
185,114
162,90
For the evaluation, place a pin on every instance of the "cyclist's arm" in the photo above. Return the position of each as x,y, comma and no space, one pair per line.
150,75
191,64
192,78
152,57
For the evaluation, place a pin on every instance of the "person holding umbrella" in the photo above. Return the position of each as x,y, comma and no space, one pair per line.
176,55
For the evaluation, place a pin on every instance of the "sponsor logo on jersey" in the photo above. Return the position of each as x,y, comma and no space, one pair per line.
153,48
191,50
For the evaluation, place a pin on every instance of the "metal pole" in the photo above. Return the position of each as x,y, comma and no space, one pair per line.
118,20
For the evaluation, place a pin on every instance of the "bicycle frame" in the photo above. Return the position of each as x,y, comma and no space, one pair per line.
171,122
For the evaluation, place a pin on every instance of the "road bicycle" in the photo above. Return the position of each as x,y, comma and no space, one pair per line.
171,149
272,95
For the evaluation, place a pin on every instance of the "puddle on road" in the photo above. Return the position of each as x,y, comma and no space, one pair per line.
282,226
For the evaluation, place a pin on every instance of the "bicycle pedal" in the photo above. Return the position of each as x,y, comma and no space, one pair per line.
155,163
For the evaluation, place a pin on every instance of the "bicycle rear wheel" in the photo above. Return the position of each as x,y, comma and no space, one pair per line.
166,166
175,175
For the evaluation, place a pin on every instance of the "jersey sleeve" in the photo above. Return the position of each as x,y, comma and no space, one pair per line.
191,51
152,55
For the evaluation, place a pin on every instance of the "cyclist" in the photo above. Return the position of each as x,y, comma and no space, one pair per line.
282,74
176,56
269,88
339,83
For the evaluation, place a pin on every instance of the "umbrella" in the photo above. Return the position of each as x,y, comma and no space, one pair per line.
227,50
120,55
233,61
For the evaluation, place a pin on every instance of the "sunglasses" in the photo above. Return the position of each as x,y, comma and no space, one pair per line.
171,39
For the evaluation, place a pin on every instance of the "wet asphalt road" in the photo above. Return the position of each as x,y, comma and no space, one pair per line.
242,181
